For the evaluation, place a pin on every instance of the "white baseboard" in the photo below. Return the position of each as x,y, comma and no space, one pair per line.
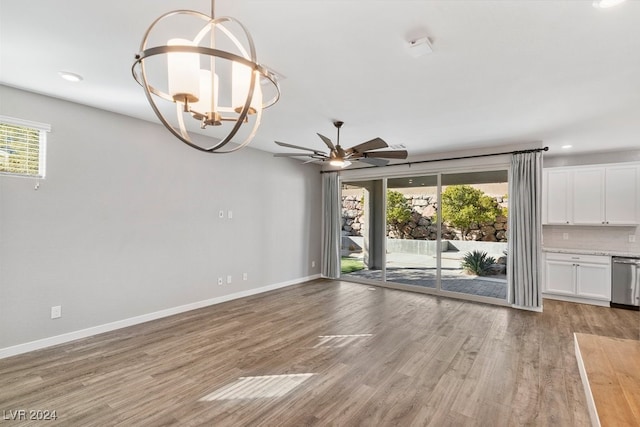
579,300
107,327
523,307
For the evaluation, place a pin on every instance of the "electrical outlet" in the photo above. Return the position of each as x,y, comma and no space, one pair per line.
219,280
313,264
632,238
565,236
230,214
244,276
228,279
56,312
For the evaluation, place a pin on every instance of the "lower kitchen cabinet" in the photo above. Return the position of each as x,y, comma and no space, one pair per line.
577,278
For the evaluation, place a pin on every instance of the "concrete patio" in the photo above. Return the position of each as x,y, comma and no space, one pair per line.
420,270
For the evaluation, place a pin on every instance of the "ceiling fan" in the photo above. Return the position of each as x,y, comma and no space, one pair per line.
341,157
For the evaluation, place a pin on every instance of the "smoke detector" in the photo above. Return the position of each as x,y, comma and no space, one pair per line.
419,47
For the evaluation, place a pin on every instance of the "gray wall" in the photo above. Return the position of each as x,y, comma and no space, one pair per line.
126,222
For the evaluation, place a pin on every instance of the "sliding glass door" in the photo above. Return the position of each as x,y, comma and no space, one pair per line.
442,232
362,240
474,250
412,231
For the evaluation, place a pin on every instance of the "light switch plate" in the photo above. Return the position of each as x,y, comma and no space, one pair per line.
56,312
632,238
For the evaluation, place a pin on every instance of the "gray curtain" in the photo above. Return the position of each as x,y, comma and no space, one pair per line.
330,226
525,231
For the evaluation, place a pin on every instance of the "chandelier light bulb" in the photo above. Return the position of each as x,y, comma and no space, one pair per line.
183,71
207,98
241,78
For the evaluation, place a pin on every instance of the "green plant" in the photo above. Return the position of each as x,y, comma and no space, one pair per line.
349,265
463,205
398,210
477,262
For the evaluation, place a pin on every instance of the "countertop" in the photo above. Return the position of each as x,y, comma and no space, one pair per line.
591,252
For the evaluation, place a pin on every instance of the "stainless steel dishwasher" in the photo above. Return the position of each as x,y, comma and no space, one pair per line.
625,283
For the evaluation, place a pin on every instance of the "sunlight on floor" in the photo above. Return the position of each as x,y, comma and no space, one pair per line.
340,340
258,387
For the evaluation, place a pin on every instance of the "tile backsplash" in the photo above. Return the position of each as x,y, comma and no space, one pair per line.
607,238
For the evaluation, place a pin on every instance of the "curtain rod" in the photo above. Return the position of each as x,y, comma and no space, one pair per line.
533,150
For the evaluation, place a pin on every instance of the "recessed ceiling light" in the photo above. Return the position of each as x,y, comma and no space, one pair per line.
603,4
566,147
70,77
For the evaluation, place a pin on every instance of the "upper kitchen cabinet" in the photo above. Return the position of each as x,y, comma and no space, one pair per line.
593,195
622,195
556,200
588,197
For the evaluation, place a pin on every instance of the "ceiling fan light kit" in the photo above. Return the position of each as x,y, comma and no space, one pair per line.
199,75
340,157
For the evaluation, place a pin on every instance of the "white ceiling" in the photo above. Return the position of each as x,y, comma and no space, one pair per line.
502,72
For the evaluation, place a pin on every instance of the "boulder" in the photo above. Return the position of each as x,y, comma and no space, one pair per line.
489,238
419,232
497,269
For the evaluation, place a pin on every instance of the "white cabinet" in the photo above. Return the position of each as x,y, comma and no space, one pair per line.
588,196
594,195
556,189
622,195
578,278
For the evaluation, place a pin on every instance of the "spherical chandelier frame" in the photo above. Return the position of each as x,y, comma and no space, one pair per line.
246,58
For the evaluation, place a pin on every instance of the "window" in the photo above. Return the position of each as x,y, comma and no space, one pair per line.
22,147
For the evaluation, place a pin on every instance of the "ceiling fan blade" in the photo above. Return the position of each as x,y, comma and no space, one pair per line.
284,144
374,162
393,154
374,144
327,141
292,155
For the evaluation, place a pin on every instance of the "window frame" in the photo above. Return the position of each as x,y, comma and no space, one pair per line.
42,129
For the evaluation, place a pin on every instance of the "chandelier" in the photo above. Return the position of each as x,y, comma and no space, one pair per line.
211,75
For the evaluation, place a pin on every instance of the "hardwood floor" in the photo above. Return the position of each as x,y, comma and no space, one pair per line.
611,366
396,358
